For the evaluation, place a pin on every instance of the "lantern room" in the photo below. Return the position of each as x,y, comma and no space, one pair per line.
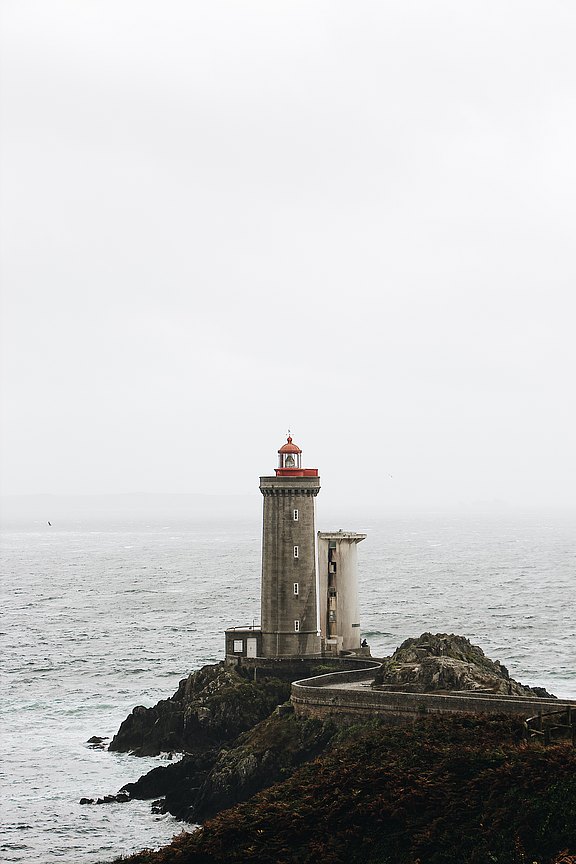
290,462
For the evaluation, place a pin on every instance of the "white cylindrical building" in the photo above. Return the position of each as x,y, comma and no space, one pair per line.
338,590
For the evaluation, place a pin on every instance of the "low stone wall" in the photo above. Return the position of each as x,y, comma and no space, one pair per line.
319,697
291,668
365,673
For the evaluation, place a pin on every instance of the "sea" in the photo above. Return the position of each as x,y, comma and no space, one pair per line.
98,617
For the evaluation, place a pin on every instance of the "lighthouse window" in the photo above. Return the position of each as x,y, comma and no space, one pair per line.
295,515
296,551
296,626
296,589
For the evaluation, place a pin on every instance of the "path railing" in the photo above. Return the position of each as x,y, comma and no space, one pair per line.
549,724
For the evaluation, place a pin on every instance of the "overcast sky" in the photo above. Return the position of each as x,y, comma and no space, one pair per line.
223,219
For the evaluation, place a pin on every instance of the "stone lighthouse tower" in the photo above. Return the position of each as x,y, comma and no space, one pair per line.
289,610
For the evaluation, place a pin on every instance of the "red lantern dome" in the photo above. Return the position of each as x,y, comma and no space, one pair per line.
290,447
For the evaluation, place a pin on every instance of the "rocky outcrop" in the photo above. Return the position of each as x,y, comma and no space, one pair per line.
238,742
261,757
96,742
447,663
178,784
236,735
446,790
202,784
210,708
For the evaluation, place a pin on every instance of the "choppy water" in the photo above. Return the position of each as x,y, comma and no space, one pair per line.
99,618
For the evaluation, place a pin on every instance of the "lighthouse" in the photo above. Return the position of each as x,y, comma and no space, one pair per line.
289,608
309,586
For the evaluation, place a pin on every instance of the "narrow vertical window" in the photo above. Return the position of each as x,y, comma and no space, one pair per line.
296,626
295,515
296,589
296,551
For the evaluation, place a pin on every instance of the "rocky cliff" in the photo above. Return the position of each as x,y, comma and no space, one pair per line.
235,739
210,708
444,791
202,784
238,742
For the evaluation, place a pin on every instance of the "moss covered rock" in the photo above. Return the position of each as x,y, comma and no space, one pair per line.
445,662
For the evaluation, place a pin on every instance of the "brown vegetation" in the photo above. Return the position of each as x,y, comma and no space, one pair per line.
446,791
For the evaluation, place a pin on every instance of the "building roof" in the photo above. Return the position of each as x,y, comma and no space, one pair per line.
342,535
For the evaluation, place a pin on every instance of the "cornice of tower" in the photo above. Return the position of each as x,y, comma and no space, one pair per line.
290,485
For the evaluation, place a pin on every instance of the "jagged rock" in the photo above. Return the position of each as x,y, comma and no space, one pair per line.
260,757
542,693
97,743
445,662
181,781
201,785
212,706
120,798
210,709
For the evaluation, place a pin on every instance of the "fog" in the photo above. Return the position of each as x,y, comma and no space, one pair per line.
221,220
